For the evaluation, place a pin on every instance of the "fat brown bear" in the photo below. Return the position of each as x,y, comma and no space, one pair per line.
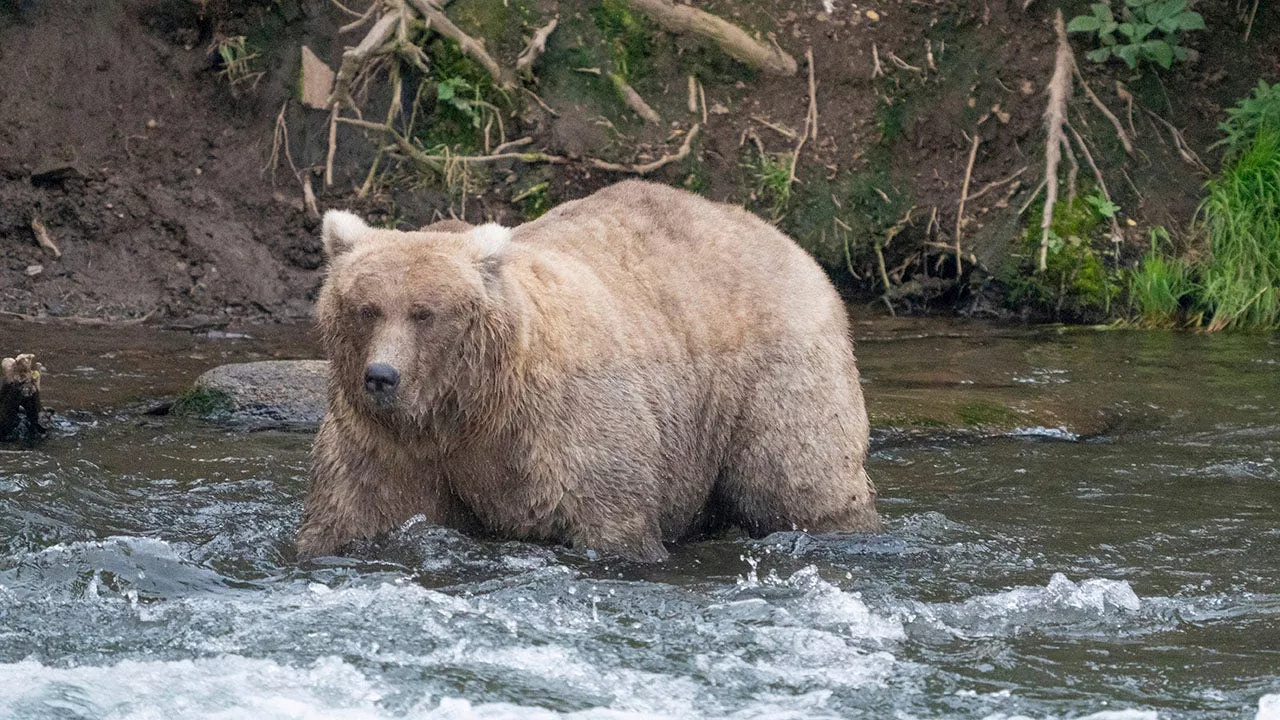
638,366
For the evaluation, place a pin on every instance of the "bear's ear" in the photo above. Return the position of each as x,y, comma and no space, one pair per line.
341,231
490,240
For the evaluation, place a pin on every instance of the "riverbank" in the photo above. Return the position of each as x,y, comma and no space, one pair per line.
168,177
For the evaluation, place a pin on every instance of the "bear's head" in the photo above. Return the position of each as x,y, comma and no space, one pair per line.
410,319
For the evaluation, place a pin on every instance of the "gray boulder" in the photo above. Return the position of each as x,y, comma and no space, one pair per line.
261,395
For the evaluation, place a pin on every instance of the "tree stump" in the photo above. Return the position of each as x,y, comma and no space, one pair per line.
20,399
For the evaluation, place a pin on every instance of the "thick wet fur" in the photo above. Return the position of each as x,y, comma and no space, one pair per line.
635,367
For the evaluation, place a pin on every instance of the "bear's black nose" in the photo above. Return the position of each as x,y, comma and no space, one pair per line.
381,379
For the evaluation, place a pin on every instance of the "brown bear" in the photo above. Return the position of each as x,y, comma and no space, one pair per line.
637,366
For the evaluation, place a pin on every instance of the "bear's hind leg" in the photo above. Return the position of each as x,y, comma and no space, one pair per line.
796,456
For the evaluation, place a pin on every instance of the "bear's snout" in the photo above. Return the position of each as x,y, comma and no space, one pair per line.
381,381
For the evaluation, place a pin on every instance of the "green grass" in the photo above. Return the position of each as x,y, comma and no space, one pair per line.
1240,285
770,175
1160,286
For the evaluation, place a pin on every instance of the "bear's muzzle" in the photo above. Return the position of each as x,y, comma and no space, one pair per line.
380,382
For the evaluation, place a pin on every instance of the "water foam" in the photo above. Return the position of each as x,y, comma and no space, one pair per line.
1269,707
220,687
1062,604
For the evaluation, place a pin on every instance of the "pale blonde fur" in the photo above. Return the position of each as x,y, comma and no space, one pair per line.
639,366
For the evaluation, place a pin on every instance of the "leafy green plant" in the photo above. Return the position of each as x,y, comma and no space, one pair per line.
1146,30
1261,110
1101,205
462,96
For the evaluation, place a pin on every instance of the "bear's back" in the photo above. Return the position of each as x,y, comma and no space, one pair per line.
716,273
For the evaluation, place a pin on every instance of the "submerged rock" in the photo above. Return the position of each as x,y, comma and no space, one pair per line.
261,395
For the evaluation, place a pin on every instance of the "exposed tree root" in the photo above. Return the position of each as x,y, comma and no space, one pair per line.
1055,116
1115,122
627,94
537,45
439,22
1184,150
443,163
733,40
964,196
646,168
810,119
1116,235
633,100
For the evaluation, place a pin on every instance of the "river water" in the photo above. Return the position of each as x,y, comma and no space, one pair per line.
1125,569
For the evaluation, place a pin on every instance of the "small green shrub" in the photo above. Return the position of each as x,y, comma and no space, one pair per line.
1146,30
1250,115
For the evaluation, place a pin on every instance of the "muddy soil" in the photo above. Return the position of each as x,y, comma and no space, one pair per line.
155,178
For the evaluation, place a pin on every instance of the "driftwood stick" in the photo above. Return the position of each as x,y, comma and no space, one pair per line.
733,40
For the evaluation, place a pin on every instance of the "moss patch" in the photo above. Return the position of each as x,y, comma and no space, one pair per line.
204,402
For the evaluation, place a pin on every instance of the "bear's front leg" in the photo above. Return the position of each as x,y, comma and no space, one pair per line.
362,487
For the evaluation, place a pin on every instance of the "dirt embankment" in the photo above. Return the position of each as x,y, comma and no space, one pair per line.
115,133
154,177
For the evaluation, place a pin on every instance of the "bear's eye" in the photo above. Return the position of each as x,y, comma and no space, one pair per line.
369,312
422,315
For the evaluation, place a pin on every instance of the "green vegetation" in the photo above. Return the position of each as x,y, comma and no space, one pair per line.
202,402
464,101
770,175
1250,116
1237,286
1148,30
628,37
1160,286
980,414
237,58
1076,281
534,201
1240,285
